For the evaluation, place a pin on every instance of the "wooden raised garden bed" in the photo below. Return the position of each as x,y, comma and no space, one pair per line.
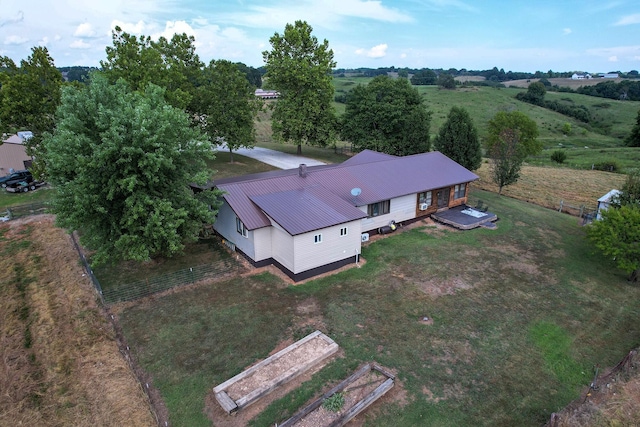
369,383
274,371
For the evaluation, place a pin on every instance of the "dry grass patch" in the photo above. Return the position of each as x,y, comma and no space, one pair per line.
546,186
59,354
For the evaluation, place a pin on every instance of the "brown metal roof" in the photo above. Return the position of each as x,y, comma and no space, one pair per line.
379,179
307,209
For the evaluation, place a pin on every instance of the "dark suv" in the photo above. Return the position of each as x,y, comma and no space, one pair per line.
12,178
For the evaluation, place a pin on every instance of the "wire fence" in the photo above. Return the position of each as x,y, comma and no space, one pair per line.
149,286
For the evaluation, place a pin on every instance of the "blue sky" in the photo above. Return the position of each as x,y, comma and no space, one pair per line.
592,36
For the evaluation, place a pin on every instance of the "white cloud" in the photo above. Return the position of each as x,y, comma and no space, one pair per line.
84,30
175,27
19,17
44,41
566,31
613,58
629,20
15,40
326,14
79,44
129,27
378,51
617,52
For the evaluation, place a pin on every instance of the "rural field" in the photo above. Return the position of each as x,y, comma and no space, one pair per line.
520,316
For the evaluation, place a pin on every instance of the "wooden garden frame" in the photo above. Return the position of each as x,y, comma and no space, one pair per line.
355,409
231,406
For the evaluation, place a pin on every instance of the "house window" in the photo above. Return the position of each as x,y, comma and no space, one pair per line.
459,191
240,228
317,238
343,231
425,198
379,208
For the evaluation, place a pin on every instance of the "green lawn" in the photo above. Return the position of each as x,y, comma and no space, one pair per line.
41,195
222,168
522,314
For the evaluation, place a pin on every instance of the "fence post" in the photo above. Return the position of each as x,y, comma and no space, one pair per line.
561,202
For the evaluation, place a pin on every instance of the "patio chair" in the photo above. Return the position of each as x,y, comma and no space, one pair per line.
479,205
484,209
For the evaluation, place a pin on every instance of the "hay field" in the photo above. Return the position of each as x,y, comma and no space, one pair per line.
61,365
546,186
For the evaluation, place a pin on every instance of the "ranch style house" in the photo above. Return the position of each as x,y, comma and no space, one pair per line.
311,220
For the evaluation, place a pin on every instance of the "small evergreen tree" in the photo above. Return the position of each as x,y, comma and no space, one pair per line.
633,140
458,139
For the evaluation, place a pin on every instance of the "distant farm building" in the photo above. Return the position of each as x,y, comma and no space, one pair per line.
580,76
267,94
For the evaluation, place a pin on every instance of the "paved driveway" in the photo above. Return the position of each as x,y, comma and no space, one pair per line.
273,157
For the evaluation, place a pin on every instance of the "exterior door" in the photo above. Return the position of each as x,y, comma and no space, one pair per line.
443,198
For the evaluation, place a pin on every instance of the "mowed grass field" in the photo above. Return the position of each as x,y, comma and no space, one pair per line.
521,316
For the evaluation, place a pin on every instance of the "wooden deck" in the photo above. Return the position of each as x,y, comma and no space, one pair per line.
465,218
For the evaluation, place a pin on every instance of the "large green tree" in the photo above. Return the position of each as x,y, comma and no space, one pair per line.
526,128
171,64
424,77
227,105
511,137
617,235
299,68
387,115
29,96
446,81
122,162
458,139
633,139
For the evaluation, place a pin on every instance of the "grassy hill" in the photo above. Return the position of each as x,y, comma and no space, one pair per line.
585,143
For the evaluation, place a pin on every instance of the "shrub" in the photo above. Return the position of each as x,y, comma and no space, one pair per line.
559,156
566,128
334,403
607,165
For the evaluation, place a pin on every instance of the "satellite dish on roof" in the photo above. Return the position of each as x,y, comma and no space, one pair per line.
355,192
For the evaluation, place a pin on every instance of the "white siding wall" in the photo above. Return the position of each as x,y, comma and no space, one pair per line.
401,209
333,247
226,225
262,243
282,248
